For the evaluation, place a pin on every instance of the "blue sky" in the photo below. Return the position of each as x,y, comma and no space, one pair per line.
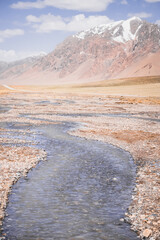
32,27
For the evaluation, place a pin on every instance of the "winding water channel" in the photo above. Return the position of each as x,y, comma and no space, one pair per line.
81,191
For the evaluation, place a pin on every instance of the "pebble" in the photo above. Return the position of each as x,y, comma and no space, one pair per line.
122,220
146,233
115,179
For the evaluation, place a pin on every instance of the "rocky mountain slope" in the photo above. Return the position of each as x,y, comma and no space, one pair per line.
119,49
19,66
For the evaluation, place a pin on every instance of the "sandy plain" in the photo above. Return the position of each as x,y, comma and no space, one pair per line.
127,120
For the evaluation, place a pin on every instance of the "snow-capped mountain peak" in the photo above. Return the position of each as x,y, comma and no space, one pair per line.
100,29
120,31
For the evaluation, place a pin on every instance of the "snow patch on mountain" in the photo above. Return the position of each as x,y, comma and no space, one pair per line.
114,30
126,34
97,30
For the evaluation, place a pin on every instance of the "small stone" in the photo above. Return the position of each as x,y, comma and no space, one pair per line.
155,223
115,179
142,216
122,220
146,233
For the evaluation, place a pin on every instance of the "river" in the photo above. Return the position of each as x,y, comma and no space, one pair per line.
81,191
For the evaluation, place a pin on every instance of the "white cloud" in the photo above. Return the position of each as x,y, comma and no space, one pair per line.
124,2
8,33
49,22
12,55
80,22
6,55
46,23
152,1
140,15
33,19
80,5
28,5
158,22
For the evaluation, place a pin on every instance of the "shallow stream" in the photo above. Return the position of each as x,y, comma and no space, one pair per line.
81,191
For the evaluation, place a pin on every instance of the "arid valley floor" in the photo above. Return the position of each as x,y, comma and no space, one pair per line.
129,122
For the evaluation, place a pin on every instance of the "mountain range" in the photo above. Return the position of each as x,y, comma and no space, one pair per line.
122,49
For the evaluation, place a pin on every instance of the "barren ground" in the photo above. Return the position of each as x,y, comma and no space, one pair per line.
129,122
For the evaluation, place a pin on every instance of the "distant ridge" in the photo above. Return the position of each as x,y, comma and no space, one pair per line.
122,49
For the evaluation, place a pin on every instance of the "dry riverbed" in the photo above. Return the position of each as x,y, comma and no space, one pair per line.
127,122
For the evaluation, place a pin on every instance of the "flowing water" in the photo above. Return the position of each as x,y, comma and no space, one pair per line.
81,191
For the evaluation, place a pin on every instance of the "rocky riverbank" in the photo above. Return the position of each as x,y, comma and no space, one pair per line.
15,162
130,123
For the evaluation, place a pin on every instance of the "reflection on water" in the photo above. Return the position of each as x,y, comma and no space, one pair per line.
4,109
80,192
